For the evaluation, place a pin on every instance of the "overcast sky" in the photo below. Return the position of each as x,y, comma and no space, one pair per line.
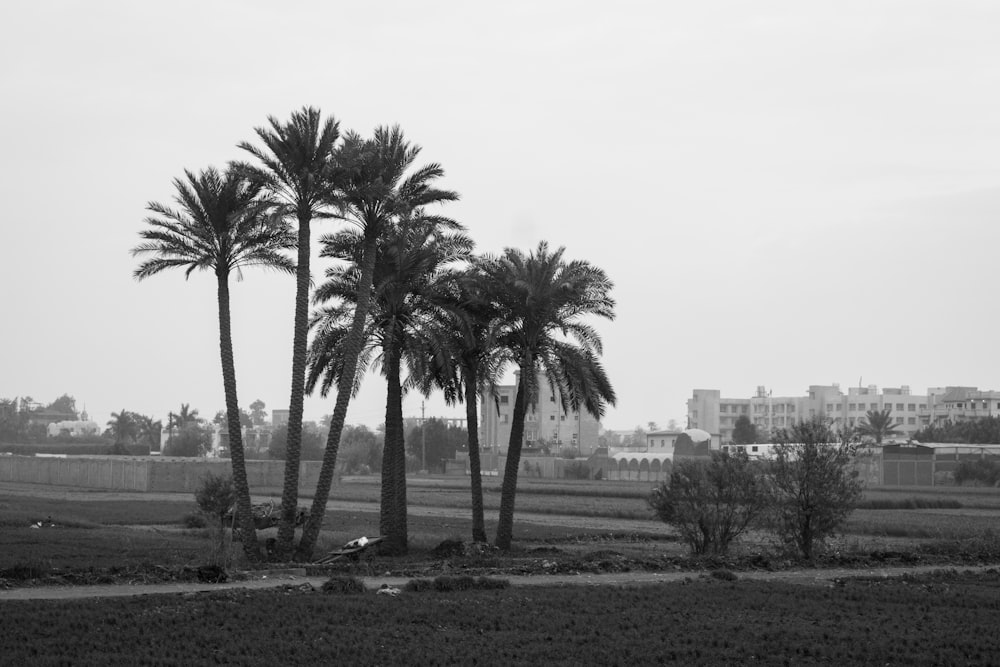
784,193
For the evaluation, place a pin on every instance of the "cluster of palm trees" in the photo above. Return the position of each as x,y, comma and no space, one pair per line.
405,290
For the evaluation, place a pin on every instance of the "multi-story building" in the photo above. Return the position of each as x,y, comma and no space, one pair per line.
544,423
910,412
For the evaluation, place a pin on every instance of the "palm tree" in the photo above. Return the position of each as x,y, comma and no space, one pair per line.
542,300
123,429
878,425
471,364
377,188
299,170
411,258
222,224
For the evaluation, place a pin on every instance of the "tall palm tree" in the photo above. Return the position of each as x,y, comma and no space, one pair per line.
378,186
222,224
412,258
299,170
878,425
469,364
543,299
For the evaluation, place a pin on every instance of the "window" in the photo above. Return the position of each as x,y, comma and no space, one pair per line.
723,408
791,408
552,399
754,448
911,420
504,400
504,419
875,406
912,407
562,418
829,407
852,407
899,420
899,407
923,406
552,418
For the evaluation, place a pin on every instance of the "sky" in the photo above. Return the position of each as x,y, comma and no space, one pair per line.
784,193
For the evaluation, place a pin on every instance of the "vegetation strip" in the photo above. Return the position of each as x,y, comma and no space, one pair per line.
945,618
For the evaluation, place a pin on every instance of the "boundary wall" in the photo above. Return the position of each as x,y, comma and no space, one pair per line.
145,473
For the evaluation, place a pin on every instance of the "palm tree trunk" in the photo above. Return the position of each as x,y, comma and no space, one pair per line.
345,386
505,522
393,512
236,454
475,472
293,453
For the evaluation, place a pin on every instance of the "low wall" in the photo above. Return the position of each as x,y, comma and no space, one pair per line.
146,473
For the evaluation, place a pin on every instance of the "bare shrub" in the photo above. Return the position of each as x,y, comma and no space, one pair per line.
711,503
814,484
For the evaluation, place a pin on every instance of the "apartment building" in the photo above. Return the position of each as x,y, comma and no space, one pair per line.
708,410
544,423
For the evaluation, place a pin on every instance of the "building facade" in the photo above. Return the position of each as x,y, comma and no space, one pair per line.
545,423
708,410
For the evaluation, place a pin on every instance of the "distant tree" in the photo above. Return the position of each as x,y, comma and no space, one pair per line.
637,438
744,431
982,431
877,425
123,428
257,414
311,445
815,486
148,430
221,419
672,425
185,415
360,450
442,442
712,502
65,404
192,439
652,426
13,423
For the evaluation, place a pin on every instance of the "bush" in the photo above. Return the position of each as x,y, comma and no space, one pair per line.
215,497
981,472
343,585
814,483
312,445
191,440
449,583
713,502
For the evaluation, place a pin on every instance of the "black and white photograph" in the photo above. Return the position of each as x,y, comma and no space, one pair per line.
455,333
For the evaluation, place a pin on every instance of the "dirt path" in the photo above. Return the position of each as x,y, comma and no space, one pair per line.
811,577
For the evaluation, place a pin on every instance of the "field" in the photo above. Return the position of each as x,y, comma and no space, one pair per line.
563,527
578,526
942,619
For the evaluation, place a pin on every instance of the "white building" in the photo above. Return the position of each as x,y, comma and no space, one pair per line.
544,423
708,410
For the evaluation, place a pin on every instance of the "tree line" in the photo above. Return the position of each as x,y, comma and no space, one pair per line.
405,292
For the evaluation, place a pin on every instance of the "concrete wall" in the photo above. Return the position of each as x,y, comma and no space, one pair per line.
148,474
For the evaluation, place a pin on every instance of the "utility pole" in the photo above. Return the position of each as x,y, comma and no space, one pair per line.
423,439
